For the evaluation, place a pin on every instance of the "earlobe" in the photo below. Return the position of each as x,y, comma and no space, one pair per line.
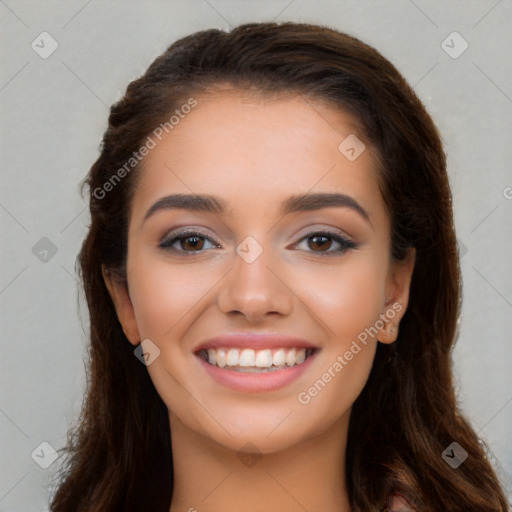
118,291
397,297
388,334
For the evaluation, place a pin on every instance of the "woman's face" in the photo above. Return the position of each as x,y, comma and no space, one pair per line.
286,239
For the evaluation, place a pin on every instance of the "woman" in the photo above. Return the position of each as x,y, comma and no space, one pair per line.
272,277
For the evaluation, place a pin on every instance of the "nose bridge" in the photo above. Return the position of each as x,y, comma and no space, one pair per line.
252,287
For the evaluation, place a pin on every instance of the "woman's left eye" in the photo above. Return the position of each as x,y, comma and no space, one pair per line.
323,242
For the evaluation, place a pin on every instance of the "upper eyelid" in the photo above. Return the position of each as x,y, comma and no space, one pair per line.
185,231
313,228
331,230
175,236
192,230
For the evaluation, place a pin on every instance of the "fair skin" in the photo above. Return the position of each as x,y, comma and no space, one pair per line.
255,152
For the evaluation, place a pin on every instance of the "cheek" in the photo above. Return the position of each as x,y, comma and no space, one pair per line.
346,301
348,304
346,298
166,299
164,295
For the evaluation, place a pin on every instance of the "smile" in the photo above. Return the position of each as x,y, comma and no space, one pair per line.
250,370
247,360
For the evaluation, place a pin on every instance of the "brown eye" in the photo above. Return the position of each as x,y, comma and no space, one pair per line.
192,243
319,242
187,242
326,243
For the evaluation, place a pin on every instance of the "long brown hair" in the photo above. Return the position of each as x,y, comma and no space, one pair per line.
119,455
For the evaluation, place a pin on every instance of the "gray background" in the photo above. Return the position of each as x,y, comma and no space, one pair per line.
54,111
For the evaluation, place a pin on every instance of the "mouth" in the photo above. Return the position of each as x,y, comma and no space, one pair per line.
247,360
255,362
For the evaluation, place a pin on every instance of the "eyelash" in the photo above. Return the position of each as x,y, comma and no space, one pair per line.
346,244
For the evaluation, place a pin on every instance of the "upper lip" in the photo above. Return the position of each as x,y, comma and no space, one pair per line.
256,341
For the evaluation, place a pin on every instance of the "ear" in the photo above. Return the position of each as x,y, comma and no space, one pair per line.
397,296
118,291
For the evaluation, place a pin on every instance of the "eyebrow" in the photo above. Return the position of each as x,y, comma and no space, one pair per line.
296,203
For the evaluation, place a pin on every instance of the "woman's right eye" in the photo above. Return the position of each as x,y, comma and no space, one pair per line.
189,241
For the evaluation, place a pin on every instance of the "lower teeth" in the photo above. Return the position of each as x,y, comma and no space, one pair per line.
252,369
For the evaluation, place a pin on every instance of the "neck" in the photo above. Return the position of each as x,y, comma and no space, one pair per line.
211,477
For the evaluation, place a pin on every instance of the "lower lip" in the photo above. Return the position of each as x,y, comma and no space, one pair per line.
256,382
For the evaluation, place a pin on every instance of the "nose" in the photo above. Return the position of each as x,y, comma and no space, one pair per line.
256,290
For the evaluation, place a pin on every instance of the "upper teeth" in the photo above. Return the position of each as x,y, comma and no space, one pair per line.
248,357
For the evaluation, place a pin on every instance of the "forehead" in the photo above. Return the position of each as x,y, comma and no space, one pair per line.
242,146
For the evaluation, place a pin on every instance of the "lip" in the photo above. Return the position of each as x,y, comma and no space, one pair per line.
254,341
255,382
